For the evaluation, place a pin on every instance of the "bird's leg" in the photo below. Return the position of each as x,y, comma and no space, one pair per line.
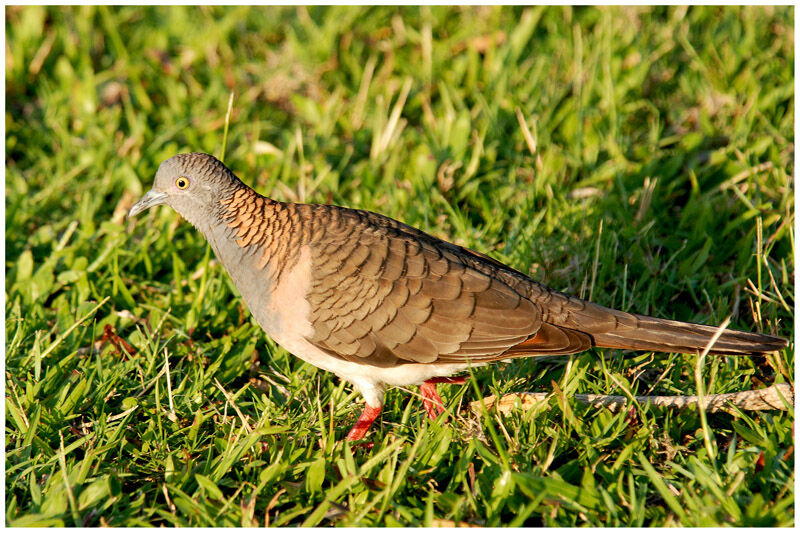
363,423
430,398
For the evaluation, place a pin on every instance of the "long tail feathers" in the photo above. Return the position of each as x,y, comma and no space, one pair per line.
663,335
573,325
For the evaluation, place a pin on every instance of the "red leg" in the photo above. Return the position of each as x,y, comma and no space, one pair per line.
364,422
431,400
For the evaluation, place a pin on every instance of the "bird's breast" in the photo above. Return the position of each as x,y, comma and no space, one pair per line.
284,314
255,281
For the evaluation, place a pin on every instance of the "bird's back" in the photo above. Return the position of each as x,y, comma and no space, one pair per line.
384,293
387,292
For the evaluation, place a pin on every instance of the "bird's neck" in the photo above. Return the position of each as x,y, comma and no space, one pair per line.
250,216
253,230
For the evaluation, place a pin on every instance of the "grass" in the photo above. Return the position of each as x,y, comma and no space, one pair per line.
640,157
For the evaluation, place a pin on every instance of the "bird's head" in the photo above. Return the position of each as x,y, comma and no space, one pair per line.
193,185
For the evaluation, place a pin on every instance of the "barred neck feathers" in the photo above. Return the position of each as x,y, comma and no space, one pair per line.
272,231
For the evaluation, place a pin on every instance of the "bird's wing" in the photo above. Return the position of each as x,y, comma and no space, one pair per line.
384,293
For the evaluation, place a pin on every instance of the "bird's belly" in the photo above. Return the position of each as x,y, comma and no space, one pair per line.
282,311
371,381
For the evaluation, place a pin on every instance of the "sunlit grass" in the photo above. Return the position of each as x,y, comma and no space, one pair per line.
627,154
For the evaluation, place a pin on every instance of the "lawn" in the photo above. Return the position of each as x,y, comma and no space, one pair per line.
640,157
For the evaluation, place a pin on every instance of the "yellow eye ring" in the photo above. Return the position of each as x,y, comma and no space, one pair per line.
182,183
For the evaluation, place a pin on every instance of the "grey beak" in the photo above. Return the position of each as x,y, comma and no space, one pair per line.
148,200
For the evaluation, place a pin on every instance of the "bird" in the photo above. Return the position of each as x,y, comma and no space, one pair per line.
380,303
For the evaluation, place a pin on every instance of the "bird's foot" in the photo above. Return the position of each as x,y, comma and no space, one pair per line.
431,400
363,423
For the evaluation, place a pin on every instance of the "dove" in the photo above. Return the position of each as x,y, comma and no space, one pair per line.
381,304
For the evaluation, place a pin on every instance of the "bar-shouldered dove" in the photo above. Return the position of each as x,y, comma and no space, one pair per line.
380,303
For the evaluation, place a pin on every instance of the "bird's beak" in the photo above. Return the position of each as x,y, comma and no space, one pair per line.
148,200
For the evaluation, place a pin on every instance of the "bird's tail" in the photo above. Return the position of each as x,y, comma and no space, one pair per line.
658,334
611,328
572,325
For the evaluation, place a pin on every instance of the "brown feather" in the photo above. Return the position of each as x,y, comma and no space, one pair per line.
414,293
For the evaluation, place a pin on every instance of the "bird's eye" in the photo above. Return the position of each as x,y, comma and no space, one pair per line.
182,183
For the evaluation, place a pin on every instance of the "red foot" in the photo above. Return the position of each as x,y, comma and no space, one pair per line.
364,422
431,400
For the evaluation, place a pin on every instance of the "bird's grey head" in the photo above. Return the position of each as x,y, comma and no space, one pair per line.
193,185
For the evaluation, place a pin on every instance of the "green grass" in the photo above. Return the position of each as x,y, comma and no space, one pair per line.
660,182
